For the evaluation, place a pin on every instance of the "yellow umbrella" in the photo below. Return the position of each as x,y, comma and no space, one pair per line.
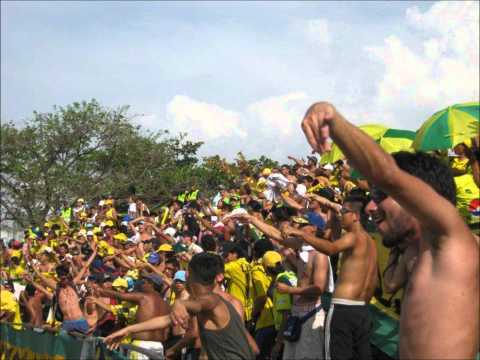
391,140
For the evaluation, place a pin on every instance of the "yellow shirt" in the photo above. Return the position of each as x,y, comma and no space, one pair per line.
105,249
467,193
459,164
16,272
261,283
283,302
238,274
10,304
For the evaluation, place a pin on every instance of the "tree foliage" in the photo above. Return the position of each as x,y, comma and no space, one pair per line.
86,150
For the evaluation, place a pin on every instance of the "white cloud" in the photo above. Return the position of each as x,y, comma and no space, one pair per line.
280,114
317,31
443,70
203,120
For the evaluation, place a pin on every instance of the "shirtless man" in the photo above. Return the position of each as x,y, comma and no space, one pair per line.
150,304
356,282
440,311
315,277
33,298
69,302
221,330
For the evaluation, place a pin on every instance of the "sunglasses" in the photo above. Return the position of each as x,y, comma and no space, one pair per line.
377,195
345,210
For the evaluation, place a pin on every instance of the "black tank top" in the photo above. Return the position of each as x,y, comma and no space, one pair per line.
228,343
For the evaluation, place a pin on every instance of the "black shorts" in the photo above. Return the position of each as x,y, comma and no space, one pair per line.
347,332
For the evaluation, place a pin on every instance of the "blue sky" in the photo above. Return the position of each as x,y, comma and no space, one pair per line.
239,75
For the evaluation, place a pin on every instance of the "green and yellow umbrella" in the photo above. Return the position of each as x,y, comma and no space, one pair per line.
448,127
391,140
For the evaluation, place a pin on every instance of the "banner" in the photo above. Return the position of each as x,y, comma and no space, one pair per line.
33,345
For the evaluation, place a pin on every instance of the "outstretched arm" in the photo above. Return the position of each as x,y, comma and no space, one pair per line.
159,322
322,245
415,196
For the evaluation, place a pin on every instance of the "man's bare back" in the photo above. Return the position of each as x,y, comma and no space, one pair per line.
69,303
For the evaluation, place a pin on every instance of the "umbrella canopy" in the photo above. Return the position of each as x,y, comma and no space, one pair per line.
448,127
391,140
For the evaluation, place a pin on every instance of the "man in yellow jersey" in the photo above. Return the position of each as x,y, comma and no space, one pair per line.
238,276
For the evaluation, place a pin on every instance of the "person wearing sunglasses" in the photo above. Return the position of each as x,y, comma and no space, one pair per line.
348,323
440,311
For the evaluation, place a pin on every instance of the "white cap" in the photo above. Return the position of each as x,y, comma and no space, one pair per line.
328,167
101,203
89,233
170,231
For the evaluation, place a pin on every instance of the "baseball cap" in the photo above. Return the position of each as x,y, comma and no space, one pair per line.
120,282
154,258
80,200
89,233
328,167
266,171
180,276
271,258
156,279
120,237
169,231
166,248
300,220
179,247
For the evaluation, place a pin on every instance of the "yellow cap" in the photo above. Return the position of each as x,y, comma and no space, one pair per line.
266,172
47,225
109,223
165,247
108,202
16,253
81,200
120,282
120,237
271,258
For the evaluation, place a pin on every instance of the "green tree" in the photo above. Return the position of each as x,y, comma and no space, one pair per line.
85,150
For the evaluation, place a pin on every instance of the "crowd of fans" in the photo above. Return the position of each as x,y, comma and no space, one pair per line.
249,273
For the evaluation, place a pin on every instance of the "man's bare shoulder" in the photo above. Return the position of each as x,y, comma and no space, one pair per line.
458,254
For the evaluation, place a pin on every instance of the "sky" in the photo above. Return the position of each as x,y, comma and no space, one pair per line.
240,75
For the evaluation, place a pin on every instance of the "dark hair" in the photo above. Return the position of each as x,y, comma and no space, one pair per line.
173,261
327,193
358,199
261,247
429,169
235,248
220,265
280,213
255,205
203,268
209,243
30,290
62,271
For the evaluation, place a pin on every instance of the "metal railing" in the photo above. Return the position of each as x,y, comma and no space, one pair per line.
152,355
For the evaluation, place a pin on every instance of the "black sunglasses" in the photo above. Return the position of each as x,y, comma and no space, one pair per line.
377,195
345,210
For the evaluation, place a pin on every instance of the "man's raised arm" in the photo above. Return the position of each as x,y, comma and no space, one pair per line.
415,196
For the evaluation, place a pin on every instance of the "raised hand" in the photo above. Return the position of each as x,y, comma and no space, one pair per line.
114,340
315,126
